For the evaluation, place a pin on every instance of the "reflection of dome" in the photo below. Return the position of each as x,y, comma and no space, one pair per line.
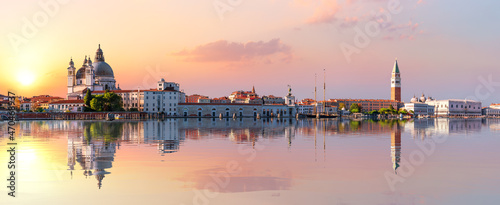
102,69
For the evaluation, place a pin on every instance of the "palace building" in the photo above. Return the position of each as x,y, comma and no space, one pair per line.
96,76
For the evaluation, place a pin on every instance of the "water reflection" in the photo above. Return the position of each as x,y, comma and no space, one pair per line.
93,146
396,147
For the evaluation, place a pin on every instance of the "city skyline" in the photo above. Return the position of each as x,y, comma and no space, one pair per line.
287,45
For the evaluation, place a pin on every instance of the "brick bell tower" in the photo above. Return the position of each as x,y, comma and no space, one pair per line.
396,83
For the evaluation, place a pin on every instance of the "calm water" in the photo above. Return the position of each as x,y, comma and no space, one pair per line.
212,161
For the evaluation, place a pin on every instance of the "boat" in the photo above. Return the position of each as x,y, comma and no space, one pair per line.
119,117
110,117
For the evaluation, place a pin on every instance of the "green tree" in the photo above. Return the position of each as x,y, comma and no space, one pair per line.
39,109
342,106
97,103
108,102
403,111
355,108
88,97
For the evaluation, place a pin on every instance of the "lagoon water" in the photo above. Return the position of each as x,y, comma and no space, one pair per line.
248,161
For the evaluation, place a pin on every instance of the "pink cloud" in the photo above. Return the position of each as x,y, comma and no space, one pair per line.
231,52
325,13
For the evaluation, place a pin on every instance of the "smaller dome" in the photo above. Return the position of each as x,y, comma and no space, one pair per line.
414,100
80,74
423,99
71,63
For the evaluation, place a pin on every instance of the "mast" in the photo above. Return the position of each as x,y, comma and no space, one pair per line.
324,91
315,88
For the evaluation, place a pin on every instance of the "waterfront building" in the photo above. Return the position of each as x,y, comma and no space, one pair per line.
217,109
96,76
419,106
492,111
25,105
164,99
396,83
456,108
306,106
220,100
194,98
273,100
132,99
367,105
241,96
66,105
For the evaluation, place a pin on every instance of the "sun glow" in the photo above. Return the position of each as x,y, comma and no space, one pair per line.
25,77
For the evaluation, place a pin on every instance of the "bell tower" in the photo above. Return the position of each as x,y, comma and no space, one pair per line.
396,83
71,76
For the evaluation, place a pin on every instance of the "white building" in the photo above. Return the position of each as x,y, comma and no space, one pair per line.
492,111
164,99
456,107
66,105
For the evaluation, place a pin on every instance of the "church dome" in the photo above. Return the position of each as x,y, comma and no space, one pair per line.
80,74
102,69
423,99
414,100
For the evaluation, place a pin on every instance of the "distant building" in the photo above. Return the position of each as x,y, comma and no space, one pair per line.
242,96
455,108
95,76
396,83
419,106
273,100
367,105
222,100
164,99
218,109
492,111
131,98
66,105
194,98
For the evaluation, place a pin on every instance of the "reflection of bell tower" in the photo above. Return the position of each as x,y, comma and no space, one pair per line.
396,147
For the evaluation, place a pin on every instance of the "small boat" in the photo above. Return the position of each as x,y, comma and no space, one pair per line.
110,117
119,117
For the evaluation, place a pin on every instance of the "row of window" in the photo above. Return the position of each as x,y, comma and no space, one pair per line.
170,97
170,104
170,109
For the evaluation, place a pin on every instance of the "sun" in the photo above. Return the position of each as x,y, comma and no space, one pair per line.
25,77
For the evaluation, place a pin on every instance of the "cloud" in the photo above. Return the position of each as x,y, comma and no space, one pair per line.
233,52
325,13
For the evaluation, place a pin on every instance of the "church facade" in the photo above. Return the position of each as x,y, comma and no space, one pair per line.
96,76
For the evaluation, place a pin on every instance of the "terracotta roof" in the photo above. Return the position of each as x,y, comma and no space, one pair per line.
68,102
244,104
115,91
357,100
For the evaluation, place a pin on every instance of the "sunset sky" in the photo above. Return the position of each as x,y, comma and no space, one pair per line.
213,47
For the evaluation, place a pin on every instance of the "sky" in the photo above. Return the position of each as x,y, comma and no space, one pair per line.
446,49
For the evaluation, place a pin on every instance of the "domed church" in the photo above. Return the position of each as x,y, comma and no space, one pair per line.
94,76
